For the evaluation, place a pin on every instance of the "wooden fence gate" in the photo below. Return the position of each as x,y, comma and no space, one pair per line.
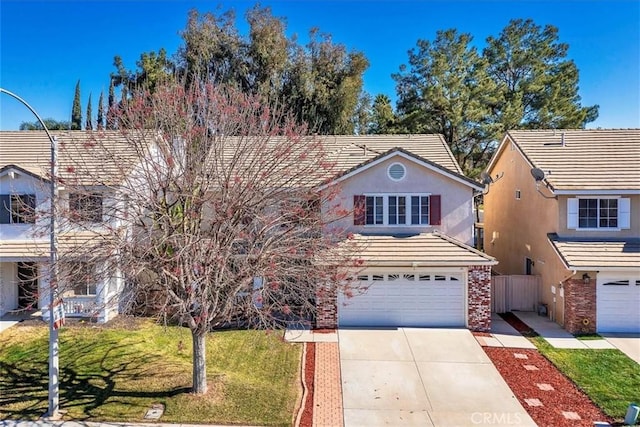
515,292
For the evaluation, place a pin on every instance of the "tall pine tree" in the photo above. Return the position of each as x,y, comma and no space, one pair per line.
100,122
112,100
76,111
89,122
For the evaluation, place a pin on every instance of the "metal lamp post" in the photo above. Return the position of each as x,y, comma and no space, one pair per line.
54,365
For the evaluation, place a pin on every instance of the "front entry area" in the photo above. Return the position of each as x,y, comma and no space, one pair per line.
406,298
19,286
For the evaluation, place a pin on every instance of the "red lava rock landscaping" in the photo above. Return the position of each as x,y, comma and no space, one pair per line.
550,398
306,420
559,401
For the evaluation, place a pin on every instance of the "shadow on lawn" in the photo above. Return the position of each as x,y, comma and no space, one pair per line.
24,385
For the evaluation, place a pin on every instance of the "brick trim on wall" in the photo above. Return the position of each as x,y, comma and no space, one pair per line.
326,307
479,298
580,306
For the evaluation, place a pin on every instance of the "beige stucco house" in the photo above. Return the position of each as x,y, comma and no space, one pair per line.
565,205
412,214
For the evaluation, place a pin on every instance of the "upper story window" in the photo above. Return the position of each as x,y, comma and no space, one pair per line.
86,207
598,213
397,210
17,208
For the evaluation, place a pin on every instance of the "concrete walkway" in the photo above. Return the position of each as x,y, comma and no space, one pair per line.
6,324
555,335
504,335
422,377
629,344
9,423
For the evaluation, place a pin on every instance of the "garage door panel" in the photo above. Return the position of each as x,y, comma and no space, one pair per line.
407,300
618,299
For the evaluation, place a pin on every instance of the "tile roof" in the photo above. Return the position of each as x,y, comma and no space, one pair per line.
596,254
423,250
78,153
38,247
350,151
583,159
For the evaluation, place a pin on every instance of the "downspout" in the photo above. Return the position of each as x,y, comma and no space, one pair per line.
573,273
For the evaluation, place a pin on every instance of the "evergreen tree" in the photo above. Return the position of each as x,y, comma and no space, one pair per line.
111,100
446,90
89,122
100,121
538,86
76,111
51,124
383,118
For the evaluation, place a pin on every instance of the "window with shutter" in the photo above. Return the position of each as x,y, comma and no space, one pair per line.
396,209
598,213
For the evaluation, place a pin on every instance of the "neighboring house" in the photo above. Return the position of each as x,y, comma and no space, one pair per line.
411,214
574,221
412,211
88,290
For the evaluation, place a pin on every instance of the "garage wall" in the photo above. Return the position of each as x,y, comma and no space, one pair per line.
479,298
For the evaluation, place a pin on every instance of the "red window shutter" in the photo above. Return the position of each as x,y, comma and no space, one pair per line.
434,210
359,209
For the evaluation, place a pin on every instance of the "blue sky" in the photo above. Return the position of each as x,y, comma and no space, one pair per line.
47,46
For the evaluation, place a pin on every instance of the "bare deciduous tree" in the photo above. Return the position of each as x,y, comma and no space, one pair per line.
215,214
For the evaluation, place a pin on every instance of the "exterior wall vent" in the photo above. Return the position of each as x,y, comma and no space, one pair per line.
396,171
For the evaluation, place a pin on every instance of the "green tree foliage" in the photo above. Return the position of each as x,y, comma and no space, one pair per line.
100,121
446,90
320,82
111,100
76,111
521,80
89,121
537,84
383,118
152,69
51,124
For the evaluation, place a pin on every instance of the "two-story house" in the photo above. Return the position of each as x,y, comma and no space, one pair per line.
412,213
566,208
87,289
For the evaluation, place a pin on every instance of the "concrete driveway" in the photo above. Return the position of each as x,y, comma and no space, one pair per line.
629,344
422,377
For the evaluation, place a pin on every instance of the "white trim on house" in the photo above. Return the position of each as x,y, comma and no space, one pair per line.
408,157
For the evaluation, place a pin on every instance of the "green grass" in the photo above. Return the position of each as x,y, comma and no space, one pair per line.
116,374
588,337
608,377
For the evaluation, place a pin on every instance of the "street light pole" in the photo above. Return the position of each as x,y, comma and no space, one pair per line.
54,364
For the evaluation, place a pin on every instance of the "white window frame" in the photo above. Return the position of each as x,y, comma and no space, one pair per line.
623,213
407,215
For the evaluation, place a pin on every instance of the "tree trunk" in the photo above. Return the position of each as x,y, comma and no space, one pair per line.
199,362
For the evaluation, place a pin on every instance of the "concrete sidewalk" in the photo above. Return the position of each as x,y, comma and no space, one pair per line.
555,335
504,335
9,423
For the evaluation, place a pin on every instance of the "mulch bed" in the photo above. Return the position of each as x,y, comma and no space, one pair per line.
556,394
306,420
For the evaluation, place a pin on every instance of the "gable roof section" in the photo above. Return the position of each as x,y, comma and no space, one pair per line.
350,151
398,151
580,160
421,250
597,254
8,168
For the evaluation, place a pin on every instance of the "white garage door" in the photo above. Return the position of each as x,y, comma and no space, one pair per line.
406,299
618,304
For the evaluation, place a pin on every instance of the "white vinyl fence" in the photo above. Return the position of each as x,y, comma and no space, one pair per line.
515,292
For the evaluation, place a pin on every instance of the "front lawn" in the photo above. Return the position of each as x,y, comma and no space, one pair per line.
608,377
115,373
